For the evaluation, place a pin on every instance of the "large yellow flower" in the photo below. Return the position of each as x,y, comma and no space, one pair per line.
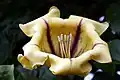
64,45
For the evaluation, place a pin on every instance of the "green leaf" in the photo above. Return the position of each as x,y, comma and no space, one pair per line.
114,48
6,72
113,16
106,67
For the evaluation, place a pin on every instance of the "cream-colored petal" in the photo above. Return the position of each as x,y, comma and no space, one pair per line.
24,61
80,67
101,54
34,55
28,28
53,12
100,51
66,66
99,27
59,66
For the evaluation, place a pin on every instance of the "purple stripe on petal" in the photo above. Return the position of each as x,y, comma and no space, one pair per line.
49,38
75,42
97,44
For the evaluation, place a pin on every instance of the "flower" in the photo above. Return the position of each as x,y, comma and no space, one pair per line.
64,45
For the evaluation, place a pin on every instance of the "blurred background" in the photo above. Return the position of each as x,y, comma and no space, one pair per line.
13,12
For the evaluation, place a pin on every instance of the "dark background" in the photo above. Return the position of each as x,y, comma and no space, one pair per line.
13,12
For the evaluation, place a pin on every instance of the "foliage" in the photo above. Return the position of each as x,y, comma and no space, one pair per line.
12,39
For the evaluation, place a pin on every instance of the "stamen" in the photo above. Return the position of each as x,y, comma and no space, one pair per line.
69,43
70,37
65,38
60,45
59,38
62,42
65,44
